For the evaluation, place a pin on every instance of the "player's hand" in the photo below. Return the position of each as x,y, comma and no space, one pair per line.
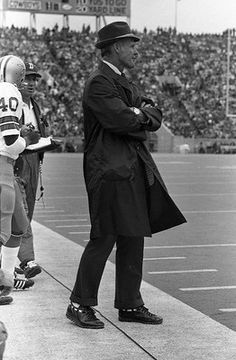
26,129
32,138
29,134
6,283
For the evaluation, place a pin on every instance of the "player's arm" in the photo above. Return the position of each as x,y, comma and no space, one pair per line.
9,140
15,144
10,130
17,139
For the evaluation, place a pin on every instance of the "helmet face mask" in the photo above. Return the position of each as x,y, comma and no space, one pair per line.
12,70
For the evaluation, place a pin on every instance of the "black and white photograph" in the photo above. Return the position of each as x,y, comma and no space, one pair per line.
117,179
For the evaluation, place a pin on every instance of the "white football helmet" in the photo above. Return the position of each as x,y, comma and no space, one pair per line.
12,69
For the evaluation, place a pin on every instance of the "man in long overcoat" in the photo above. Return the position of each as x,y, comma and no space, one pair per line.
127,197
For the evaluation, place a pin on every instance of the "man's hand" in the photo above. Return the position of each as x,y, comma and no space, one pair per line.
6,283
144,121
29,134
147,102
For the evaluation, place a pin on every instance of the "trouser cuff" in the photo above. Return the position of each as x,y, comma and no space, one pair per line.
84,302
127,305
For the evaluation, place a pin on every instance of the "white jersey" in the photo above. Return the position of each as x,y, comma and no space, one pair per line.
10,113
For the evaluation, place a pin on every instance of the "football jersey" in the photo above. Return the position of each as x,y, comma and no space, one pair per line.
10,113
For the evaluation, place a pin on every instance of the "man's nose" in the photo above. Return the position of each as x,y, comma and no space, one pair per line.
136,51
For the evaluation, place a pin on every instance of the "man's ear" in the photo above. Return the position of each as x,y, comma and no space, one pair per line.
116,47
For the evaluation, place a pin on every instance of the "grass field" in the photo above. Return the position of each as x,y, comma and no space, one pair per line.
194,262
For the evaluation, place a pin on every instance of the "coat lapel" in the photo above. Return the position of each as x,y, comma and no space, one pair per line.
121,82
37,115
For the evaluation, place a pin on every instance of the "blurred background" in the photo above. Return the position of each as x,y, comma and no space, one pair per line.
186,64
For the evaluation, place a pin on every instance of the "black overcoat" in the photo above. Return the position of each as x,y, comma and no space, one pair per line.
116,160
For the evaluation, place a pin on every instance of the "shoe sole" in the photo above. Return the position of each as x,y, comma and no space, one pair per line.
32,273
159,322
5,300
78,323
18,288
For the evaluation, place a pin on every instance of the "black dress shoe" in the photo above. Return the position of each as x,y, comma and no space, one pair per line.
140,315
84,316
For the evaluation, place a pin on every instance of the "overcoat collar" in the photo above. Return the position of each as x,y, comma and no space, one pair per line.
122,80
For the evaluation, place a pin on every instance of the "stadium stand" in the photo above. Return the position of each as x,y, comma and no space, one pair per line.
184,73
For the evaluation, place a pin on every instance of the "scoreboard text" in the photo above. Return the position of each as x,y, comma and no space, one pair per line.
71,7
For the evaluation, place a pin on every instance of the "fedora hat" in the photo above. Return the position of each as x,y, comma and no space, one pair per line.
113,32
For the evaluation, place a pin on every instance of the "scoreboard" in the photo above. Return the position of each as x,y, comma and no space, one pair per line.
71,7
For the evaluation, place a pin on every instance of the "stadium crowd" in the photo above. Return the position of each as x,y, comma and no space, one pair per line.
184,73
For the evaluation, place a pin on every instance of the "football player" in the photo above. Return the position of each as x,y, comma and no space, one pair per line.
13,218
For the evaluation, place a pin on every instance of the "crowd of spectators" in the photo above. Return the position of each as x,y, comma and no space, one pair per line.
184,73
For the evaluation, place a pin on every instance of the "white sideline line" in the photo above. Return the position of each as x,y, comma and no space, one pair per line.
205,194
61,220
209,211
197,183
72,226
78,232
166,258
187,246
228,310
209,288
220,167
181,271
